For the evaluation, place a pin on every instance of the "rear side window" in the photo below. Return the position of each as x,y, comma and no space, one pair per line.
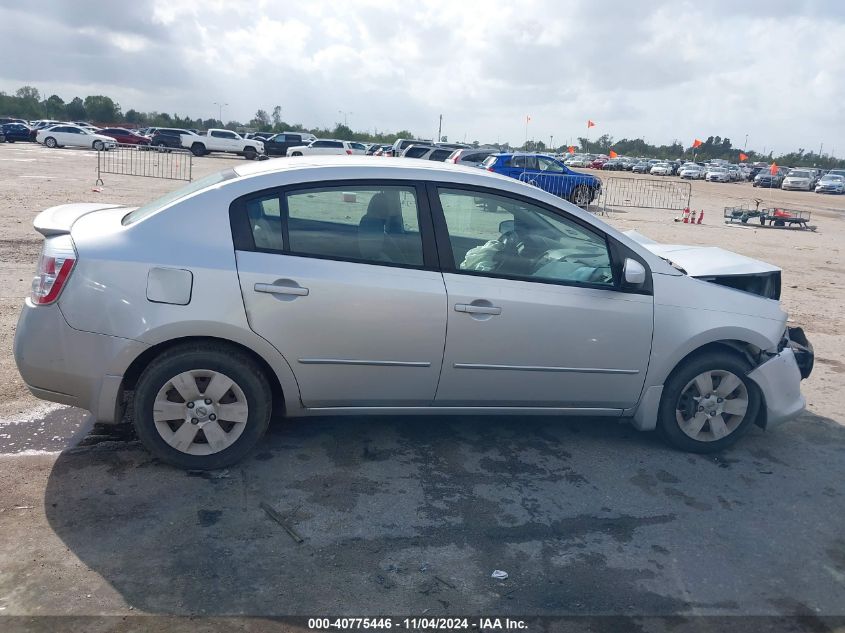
416,152
439,154
368,223
152,207
489,161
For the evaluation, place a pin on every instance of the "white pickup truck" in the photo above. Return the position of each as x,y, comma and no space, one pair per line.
222,141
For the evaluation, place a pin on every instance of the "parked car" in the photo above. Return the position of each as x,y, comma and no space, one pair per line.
127,137
717,174
768,180
324,146
2,136
548,174
165,138
734,173
470,157
11,119
427,152
831,183
613,164
579,161
16,132
279,144
73,136
836,172
642,167
549,310
691,171
401,144
661,169
223,141
800,179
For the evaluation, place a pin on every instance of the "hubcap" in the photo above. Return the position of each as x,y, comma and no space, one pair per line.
200,412
712,405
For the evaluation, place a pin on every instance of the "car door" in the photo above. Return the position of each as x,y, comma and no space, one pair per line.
537,315
342,279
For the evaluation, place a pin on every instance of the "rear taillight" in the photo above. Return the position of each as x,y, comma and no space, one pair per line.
349,151
54,267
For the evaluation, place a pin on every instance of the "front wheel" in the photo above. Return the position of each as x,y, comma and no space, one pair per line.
296,154
198,406
198,149
98,146
581,196
708,403
250,153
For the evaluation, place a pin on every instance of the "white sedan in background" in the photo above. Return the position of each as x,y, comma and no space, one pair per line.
661,169
798,179
691,171
74,136
328,147
717,174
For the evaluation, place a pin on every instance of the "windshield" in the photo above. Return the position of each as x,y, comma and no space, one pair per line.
156,205
799,174
833,178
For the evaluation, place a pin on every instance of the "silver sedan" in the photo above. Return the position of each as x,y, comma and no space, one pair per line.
355,285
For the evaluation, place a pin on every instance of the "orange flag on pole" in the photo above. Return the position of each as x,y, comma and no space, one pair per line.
696,143
742,157
590,124
571,149
613,154
773,169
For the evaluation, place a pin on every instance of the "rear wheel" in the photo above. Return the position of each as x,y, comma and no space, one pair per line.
296,154
708,403
99,146
198,149
201,406
50,142
581,196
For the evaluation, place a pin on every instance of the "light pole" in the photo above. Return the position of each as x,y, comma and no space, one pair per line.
551,142
745,147
345,114
220,107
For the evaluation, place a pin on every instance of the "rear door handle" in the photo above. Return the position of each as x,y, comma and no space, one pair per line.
474,309
273,289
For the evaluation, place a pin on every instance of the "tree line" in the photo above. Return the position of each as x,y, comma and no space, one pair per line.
27,103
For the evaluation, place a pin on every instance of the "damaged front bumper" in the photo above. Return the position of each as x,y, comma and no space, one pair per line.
779,379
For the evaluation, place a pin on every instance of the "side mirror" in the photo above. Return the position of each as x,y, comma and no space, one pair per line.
506,226
634,273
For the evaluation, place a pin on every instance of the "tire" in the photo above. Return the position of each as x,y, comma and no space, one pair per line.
681,412
198,149
50,142
581,196
161,146
297,154
197,366
250,153
98,146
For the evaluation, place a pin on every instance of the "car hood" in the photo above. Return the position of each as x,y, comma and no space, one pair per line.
704,261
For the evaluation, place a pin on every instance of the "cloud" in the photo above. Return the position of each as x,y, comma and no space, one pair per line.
665,69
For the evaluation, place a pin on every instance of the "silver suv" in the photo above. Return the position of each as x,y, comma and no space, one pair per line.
349,285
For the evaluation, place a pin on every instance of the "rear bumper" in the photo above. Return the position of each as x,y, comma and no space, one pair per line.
779,380
61,364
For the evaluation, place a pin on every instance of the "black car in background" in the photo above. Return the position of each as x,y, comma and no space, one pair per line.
278,144
766,179
15,132
168,138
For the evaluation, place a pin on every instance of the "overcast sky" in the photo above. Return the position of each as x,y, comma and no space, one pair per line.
772,69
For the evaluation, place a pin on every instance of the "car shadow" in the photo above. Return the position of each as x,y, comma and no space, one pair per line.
384,515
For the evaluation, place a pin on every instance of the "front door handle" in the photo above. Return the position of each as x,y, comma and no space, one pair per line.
273,289
476,309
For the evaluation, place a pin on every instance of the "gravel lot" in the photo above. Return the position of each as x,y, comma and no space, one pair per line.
403,515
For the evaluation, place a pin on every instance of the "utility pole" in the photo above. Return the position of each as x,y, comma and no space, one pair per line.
439,129
821,145
745,147
551,141
220,111
345,114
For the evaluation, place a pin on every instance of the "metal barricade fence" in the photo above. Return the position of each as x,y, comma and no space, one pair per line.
645,193
578,189
145,161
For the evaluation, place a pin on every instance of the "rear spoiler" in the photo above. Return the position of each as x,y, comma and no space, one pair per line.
58,220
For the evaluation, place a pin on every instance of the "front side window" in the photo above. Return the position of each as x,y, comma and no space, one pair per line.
546,164
503,236
377,224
